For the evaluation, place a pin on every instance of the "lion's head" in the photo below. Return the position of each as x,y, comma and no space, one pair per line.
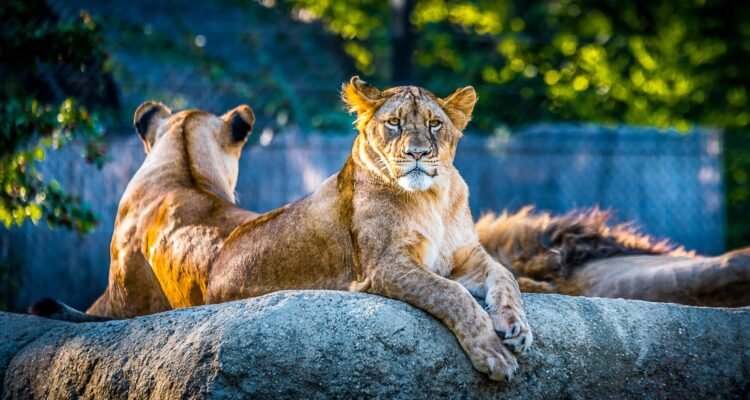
196,146
408,135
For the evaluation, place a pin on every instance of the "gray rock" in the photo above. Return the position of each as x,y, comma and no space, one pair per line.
321,344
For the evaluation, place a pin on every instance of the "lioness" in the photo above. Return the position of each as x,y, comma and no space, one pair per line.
174,216
394,221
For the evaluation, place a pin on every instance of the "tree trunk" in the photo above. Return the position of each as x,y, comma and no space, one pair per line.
402,41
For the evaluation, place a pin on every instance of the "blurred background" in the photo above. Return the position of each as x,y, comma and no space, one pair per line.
640,107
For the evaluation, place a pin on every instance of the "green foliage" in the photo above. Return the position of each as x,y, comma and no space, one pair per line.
41,60
29,130
661,63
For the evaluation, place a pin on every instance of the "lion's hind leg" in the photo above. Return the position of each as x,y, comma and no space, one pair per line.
101,305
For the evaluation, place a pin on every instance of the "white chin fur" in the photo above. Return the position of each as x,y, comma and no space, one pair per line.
415,181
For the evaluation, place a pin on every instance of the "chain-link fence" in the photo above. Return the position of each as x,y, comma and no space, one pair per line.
216,55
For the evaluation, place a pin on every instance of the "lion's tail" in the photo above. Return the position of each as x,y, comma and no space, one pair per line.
54,309
541,246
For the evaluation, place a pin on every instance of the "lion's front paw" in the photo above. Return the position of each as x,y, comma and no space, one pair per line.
511,325
489,356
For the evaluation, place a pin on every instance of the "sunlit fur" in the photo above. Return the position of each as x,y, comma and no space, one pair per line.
175,213
374,228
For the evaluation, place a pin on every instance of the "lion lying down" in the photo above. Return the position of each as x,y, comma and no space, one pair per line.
581,254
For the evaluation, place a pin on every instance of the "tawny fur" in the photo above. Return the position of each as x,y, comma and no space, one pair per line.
176,212
581,253
545,251
383,226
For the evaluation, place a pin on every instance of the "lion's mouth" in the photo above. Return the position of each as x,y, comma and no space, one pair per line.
418,170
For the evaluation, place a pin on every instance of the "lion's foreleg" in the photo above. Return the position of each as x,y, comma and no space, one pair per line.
485,277
452,304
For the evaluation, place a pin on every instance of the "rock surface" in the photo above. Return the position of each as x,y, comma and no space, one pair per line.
320,344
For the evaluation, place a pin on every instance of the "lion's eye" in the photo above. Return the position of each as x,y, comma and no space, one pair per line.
435,123
394,121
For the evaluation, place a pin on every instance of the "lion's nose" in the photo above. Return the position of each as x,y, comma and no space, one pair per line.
418,152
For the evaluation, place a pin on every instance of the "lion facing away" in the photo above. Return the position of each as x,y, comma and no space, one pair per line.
395,222
174,215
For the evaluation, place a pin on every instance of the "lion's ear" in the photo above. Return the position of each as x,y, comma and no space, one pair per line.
361,98
147,119
241,121
459,106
